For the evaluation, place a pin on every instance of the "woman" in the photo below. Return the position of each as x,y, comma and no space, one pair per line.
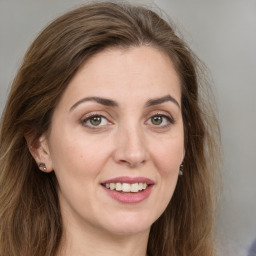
103,118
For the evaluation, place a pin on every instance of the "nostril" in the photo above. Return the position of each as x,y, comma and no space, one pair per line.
132,163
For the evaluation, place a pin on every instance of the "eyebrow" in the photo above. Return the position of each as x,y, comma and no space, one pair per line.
112,103
153,102
102,101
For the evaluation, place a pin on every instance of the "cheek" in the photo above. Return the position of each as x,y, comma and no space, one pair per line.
168,166
168,156
77,156
77,168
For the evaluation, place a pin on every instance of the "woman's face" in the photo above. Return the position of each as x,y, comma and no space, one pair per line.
116,141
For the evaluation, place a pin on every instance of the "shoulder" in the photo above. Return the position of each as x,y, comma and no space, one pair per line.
252,251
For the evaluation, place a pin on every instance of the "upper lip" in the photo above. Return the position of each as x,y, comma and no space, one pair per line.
127,179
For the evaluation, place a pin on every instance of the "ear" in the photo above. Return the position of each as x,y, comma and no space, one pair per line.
39,150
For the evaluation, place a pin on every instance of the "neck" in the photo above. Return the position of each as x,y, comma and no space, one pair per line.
90,241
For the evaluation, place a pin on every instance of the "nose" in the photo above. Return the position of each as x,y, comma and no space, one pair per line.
130,147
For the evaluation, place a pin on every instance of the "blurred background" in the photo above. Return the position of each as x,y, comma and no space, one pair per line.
223,34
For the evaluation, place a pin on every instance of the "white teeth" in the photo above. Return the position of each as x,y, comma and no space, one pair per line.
118,186
135,187
112,186
126,187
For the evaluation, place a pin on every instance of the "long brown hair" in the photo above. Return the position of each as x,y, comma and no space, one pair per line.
30,219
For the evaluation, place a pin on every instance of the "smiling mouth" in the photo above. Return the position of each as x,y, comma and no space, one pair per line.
127,187
128,190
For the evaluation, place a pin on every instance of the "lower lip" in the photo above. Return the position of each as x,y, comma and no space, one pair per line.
129,198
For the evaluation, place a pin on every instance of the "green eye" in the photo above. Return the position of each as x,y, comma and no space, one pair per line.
160,121
95,120
156,120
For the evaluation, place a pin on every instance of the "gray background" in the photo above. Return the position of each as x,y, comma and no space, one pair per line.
223,34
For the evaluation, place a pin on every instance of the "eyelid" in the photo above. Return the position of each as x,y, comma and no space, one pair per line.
163,114
94,114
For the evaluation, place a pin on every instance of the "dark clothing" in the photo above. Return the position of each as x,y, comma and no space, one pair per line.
252,251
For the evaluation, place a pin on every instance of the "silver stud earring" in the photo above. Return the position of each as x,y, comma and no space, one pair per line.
42,165
181,170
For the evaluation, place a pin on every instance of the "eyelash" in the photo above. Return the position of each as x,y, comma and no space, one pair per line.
168,119
89,118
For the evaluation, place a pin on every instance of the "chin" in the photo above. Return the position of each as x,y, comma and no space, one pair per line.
129,229
130,223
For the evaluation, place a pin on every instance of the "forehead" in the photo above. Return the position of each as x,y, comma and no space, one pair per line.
136,71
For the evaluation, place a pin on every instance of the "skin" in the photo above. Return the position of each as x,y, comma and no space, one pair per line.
127,142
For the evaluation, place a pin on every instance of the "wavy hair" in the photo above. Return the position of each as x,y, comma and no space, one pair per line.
30,218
